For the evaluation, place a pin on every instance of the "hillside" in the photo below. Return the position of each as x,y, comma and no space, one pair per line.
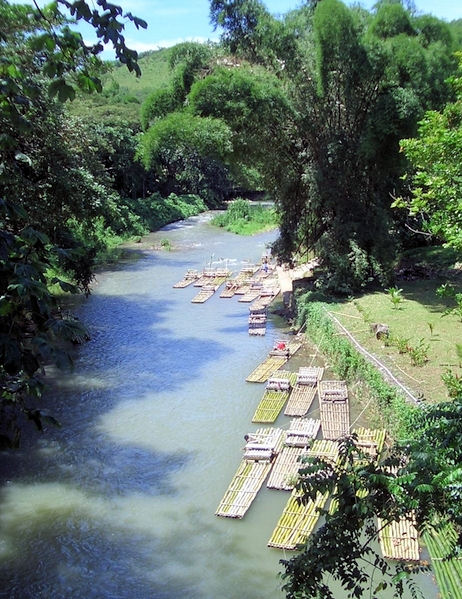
123,92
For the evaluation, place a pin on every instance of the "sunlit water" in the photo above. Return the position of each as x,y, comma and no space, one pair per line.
119,503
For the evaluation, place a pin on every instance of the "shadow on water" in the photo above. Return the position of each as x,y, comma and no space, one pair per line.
119,503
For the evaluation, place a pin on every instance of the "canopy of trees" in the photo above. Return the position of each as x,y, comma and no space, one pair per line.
354,84
436,182
55,195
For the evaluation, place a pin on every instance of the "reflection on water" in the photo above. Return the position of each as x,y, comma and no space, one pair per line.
120,502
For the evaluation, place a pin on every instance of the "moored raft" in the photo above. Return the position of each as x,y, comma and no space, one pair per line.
189,277
288,462
370,443
252,293
399,540
446,564
204,294
240,283
334,408
276,394
274,361
298,521
304,391
211,276
257,461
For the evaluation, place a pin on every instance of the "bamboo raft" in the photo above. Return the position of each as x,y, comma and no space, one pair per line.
189,277
256,463
304,391
204,278
448,570
230,288
204,294
370,442
297,522
210,275
334,407
252,293
273,362
399,540
276,394
287,463
241,282
257,324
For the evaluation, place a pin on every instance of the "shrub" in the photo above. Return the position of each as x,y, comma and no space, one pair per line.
419,353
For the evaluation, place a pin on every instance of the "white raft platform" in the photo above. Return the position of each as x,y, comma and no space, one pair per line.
304,391
287,464
259,451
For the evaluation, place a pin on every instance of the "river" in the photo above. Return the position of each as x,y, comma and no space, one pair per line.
119,502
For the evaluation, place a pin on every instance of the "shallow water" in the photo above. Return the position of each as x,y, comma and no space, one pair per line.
119,503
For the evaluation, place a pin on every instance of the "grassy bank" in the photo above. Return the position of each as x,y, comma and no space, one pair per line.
245,218
386,406
422,348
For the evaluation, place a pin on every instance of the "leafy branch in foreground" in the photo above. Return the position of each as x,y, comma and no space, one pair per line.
42,60
33,330
422,475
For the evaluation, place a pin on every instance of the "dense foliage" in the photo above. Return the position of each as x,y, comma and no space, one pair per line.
245,218
58,198
436,182
349,85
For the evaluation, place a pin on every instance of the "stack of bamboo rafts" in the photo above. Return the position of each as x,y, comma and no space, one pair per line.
189,277
260,449
334,408
287,464
257,320
277,357
304,391
276,394
298,520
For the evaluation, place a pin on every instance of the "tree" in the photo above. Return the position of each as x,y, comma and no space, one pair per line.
187,154
422,473
435,157
186,61
46,179
352,83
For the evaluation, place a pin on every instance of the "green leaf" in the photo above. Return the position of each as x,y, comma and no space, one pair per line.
60,88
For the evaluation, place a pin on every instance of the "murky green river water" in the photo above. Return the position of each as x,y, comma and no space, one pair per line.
119,503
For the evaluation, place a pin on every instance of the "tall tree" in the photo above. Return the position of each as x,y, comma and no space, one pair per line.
435,177
354,82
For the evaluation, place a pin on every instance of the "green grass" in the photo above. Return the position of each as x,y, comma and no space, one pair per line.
245,218
123,93
417,321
